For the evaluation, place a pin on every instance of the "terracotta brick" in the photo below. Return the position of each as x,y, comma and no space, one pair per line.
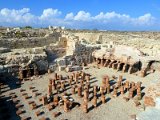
149,101
38,113
19,105
30,102
19,112
56,114
49,107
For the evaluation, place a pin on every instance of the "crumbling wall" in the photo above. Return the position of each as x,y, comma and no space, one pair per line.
27,42
90,37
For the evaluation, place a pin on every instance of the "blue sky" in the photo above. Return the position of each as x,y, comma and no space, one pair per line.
82,14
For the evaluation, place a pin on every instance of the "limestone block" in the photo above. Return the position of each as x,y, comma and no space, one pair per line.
69,68
37,50
61,68
61,62
72,63
4,50
76,68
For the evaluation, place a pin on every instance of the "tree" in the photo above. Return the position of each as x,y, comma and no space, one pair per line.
28,27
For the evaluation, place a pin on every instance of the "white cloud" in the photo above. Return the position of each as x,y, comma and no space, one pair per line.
16,16
83,16
112,17
146,19
80,16
13,12
82,19
69,16
50,13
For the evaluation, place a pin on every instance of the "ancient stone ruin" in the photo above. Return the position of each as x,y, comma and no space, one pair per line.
73,73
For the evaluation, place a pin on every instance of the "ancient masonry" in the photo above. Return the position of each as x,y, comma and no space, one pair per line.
74,53
77,89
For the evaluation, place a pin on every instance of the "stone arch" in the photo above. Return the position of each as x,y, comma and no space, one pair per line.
137,66
121,66
155,65
115,64
150,64
107,62
103,60
127,67
111,63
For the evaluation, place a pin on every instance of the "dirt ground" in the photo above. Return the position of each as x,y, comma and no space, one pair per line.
114,108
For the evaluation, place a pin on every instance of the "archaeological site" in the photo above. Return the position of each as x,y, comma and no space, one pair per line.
57,73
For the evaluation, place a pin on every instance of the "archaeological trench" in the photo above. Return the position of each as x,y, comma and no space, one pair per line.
65,74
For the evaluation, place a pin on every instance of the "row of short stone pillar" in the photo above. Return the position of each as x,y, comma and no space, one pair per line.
58,83
67,104
131,87
116,65
81,86
94,100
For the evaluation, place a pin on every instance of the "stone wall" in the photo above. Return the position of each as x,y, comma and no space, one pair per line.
15,43
147,42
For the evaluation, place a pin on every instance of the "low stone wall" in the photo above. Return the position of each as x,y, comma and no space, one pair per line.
27,42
